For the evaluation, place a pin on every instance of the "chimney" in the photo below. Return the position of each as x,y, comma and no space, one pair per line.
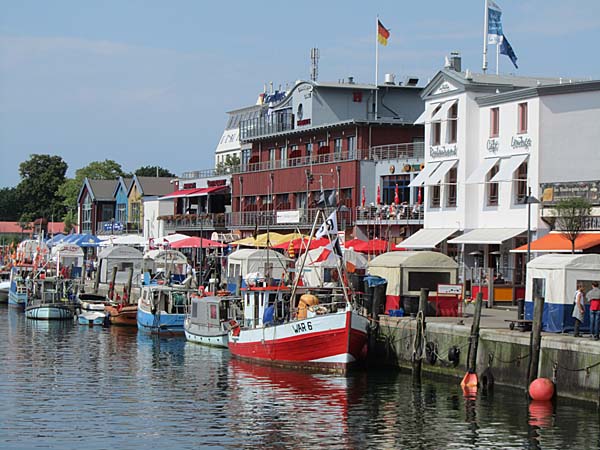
350,80
455,62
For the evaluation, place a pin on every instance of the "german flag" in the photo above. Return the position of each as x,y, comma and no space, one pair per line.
382,33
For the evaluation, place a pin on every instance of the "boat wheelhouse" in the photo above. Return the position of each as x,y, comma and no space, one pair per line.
162,308
211,318
51,299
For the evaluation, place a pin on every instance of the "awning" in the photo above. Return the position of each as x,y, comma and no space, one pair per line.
438,113
424,174
427,238
508,167
558,243
425,114
443,114
487,236
197,192
478,176
439,174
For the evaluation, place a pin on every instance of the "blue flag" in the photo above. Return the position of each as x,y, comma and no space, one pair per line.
494,22
507,50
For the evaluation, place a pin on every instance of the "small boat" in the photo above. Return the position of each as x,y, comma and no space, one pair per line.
123,315
210,319
91,302
51,299
162,308
92,318
20,285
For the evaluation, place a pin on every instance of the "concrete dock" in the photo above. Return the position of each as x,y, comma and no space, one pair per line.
503,354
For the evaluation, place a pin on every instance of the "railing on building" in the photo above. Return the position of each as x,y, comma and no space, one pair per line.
277,122
413,150
400,213
260,219
114,227
193,222
209,173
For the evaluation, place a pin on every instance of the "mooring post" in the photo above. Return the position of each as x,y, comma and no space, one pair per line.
535,342
97,278
111,286
474,337
238,285
128,285
418,347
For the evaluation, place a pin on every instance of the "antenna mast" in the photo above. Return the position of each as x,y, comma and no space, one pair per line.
314,64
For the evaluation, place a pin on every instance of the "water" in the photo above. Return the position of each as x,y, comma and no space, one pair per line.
68,386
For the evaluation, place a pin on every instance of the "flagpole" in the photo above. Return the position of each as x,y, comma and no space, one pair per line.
485,33
377,63
498,56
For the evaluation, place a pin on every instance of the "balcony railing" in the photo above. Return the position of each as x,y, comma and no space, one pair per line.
113,227
413,150
194,222
265,125
260,219
209,173
303,161
399,213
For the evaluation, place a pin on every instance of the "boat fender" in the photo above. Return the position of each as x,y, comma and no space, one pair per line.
431,353
454,355
487,379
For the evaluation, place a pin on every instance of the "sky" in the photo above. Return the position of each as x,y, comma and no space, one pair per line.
148,82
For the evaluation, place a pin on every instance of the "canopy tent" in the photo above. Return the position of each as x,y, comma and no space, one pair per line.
135,240
555,278
67,255
558,243
255,261
166,260
55,239
86,240
123,257
30,251
261,239
407,272
197,242
318,265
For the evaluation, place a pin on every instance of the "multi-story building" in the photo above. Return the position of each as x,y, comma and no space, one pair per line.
318,146
491,141
96,205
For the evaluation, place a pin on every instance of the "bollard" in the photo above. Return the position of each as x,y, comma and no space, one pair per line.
97,278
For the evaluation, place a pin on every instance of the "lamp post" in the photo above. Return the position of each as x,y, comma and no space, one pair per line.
530,200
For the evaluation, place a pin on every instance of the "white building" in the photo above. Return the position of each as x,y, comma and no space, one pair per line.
488,140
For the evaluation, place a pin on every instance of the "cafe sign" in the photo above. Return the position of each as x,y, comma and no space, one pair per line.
493,146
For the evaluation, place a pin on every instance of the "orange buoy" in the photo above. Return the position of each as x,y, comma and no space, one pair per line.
469,380
541,389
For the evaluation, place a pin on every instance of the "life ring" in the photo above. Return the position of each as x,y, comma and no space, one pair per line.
422,166
407,167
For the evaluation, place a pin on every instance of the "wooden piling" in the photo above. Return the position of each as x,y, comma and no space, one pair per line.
128,285
111,286
474,336
535,342
418,343
97,277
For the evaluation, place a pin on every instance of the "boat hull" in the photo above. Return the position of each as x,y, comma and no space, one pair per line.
92,318
125,316
3,296
194,334
17,300
331,343
49,312
160,323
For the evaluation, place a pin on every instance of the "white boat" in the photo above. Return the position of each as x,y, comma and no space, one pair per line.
210,319
50,300
91,302
92,318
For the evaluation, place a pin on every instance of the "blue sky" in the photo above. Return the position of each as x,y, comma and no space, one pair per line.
149,82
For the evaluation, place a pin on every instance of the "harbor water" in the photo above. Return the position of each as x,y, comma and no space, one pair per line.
69,386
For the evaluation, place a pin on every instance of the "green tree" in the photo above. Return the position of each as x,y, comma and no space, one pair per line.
229,165
41,177
571,216
96,170
25,221
153,171
10,206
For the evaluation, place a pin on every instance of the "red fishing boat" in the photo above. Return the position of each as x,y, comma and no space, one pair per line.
119,314
320,329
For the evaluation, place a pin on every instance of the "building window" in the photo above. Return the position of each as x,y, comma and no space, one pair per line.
520,184
492,188
86,218
451,188
246,158
522,118
272,157
337,147
434,195
436,127
309,150
452,124
121,213
388,191
283,156
494,122
351,144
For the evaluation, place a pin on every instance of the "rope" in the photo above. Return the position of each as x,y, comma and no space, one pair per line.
419,338
570,369
492,356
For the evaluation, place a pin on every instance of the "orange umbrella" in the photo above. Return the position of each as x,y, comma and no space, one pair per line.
196,242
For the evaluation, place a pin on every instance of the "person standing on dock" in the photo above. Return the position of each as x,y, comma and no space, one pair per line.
578,309
594,298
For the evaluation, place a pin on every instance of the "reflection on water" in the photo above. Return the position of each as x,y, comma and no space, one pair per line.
70,386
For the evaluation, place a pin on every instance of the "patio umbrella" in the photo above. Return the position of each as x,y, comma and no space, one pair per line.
378,195
301,244
374,246
87,240
55,239
197,242
396,196
363,200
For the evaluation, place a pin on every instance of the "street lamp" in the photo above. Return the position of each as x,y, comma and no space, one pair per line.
530,200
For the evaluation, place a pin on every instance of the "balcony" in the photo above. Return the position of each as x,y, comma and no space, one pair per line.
413,150
209,173
113,227
260,219
193,222
401,215
277,122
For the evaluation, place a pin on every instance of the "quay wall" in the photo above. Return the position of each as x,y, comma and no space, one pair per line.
573,363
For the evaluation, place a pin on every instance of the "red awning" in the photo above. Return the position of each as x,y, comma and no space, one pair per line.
558,243
196,192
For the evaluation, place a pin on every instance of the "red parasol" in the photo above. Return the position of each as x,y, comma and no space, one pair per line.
300,244
396,196
420,197
364,195
378,195
374,246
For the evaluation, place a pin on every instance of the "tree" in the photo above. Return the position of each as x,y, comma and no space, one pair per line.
41,177
226,166
10,206
96,170
154,171
571,215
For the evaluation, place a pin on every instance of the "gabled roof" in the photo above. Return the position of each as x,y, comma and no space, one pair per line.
478,82
152,186
124,183
100,190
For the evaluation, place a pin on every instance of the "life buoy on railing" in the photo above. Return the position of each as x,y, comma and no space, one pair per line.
407,167
422,166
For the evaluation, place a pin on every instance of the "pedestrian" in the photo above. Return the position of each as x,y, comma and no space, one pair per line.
594,298
578,309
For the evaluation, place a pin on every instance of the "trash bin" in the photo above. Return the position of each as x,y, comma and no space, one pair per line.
520,309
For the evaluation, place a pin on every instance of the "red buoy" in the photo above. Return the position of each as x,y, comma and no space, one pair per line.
541,389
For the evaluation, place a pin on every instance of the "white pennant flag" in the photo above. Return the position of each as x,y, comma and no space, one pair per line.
329,227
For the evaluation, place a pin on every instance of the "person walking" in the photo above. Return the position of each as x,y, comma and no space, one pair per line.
579,309
594,298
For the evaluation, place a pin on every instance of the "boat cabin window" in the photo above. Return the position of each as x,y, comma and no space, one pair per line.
195,309
213,312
